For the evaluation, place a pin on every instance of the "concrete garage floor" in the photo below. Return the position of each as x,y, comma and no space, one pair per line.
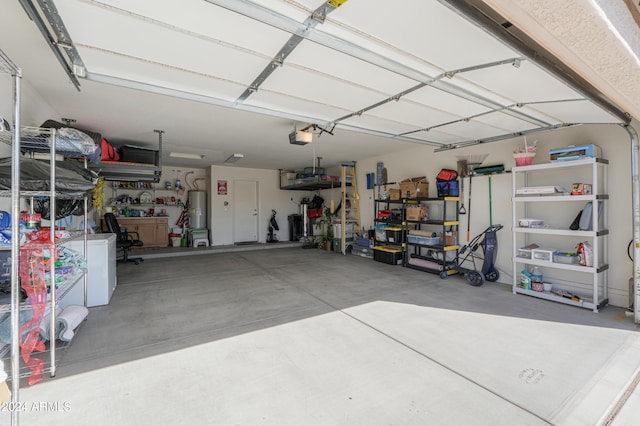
307,337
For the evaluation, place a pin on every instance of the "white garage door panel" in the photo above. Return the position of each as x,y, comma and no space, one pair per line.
320,88
526,83
577,112
295,106
389,21
414,113
342,66
505,121
379,123
472,129
135,70
195,16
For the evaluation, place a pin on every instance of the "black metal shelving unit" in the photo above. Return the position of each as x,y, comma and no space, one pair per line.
437,258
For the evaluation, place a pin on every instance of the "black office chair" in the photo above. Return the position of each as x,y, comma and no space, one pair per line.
124,240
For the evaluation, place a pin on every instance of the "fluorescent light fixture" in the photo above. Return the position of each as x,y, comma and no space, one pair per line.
186,155
233,158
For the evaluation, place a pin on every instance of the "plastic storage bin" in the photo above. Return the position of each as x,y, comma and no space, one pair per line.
544,254
387,254
364,242
349,229
395,235
530,223
427,241
381,235
362,251
564,257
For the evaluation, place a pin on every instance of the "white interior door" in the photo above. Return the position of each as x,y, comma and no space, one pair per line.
245,224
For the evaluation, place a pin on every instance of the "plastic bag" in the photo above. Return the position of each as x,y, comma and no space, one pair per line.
64,207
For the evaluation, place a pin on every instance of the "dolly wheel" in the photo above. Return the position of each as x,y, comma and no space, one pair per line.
475,278
492,276
444,275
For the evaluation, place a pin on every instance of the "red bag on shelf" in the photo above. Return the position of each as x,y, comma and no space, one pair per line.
109,153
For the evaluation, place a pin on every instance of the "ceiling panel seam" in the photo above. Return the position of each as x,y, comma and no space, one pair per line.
334,78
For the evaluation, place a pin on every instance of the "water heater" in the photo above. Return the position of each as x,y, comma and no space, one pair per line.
197,209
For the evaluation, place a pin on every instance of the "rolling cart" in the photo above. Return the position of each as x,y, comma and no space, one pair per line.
467,257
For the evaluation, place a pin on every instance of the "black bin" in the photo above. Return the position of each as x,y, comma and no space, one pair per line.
295,227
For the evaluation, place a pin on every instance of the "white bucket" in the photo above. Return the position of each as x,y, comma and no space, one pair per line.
175,241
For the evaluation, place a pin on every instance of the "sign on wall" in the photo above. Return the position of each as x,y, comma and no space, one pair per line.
222,187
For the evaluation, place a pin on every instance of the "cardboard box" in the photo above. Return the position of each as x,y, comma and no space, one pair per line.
417,187
450,238
417,212
581,189
394,194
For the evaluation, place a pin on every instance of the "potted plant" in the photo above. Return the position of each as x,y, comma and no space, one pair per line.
326,220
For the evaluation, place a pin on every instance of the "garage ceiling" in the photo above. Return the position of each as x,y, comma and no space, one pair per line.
223,77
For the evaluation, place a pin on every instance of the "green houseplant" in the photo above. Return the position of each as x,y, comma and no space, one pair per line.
326,220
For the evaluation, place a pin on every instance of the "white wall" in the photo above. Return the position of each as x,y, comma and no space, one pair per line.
221,217
423,161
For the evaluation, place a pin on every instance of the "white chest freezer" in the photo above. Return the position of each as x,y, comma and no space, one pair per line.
101,273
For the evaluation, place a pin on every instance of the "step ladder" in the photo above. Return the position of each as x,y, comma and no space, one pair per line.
350,211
